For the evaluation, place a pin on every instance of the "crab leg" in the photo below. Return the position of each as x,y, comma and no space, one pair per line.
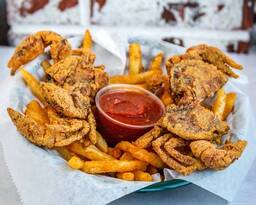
157,146
35,44
49,135
217,158
173,143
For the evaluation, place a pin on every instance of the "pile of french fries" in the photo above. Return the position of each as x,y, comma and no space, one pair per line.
124,161
137,75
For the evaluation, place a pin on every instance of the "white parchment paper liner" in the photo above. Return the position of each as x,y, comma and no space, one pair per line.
42,177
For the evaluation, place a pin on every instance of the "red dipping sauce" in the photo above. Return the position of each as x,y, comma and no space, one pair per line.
125,112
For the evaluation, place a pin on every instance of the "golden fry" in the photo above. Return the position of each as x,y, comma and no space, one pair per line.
65,153
114,152
77,148
91,152
87,42
141,154
36,112
33,84
230,102
166,97
156,63
219,104
101,143
142,176
126,156
98,167
135,59
75,162
132,79
45,64
128,176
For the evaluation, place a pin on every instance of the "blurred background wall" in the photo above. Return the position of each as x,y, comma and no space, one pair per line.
228,24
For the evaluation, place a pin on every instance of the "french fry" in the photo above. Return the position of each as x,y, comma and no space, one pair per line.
94,153
126,156
101,143
141,154
166,97
98,167
92,134
219,104
142,176
33,84
65,153
77,148
156,63
36,112
135,59
45,64
75,162
87,41
128,176
230,102
114,152
132,79
91,152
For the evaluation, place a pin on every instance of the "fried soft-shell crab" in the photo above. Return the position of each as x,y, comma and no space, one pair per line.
185,140
193,122
217,158
49,135
71,86
199,73
34,45
77,73
165,146
200,154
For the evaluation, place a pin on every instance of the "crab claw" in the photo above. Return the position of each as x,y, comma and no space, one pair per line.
171,145
217,158
49,135
35,44
175,160
213,56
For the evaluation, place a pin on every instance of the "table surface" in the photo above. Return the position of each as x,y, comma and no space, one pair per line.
186,195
